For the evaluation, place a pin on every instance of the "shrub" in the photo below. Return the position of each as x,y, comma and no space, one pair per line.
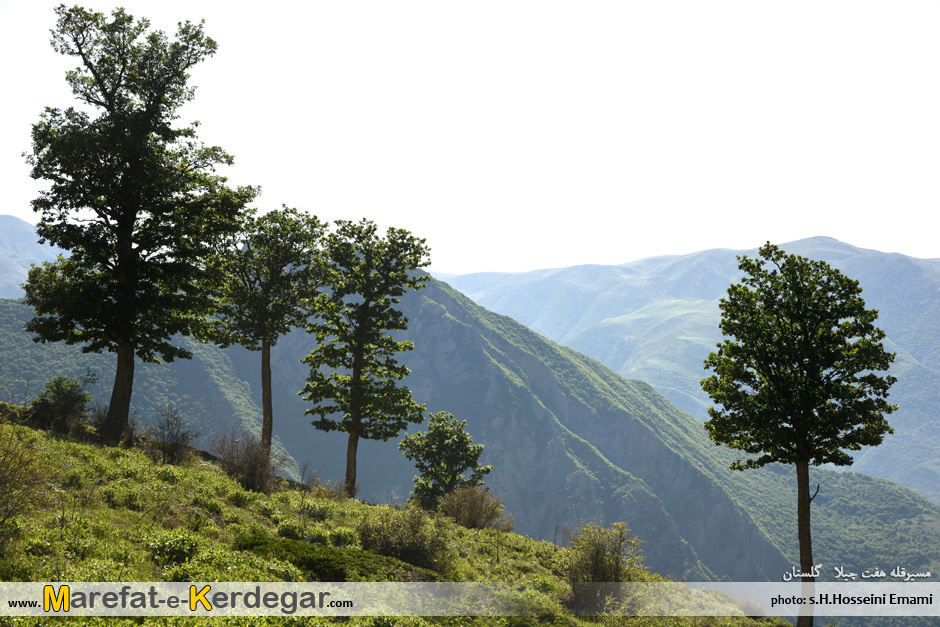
311,510
21,479
318,535
412,535
203,499
14,413
171,436
597,555
63,405
291,529
173,547
476,508
343,536
243,458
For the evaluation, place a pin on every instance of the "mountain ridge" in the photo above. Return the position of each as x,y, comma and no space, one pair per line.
657,319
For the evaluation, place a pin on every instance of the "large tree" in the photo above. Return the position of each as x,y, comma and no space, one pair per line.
268,278
134,199
353,369
796,382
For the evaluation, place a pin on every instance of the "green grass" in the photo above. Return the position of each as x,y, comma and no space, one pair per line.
113,514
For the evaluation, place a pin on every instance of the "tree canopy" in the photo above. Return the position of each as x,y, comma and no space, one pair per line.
797,381
134,199
353,369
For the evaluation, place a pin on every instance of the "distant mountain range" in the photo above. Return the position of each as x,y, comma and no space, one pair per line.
18,250
569,440
657,319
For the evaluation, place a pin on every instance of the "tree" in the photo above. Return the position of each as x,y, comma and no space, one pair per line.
443,455
797,383
268,277
134,199
353,366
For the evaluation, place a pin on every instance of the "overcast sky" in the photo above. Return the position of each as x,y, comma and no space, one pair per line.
521,135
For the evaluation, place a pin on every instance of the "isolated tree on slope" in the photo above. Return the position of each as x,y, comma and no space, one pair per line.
797,383
134,199
268,277
353,369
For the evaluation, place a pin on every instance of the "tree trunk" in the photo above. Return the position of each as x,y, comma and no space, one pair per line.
806,541
351,449
267,408
115,423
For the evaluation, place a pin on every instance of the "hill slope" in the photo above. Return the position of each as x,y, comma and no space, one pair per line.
657,319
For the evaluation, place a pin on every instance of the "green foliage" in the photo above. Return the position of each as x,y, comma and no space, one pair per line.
600,555
411,535
135,200
324,563
21,479
63,405
292,529
267,279
797,382
476,508
173,547
268,276
353,369
344,537
443,455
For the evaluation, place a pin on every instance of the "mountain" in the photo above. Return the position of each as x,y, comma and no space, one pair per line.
18,250
657,319
569,440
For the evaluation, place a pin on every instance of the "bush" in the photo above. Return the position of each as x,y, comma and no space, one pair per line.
170,548
171,436
597,555
476,508
291,529
311,510
243,458
412,535
21,479
343,536
14,414
62,406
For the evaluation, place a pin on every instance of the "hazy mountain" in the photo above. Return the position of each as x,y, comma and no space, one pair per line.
18,250
569,440
657,319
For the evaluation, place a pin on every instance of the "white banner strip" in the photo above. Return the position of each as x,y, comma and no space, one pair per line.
465,599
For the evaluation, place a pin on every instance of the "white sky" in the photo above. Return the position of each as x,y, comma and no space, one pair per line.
520,135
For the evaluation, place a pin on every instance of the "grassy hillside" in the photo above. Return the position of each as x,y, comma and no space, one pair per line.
112,514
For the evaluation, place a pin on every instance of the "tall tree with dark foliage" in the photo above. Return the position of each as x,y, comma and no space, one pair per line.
353,369
135,199
796,382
